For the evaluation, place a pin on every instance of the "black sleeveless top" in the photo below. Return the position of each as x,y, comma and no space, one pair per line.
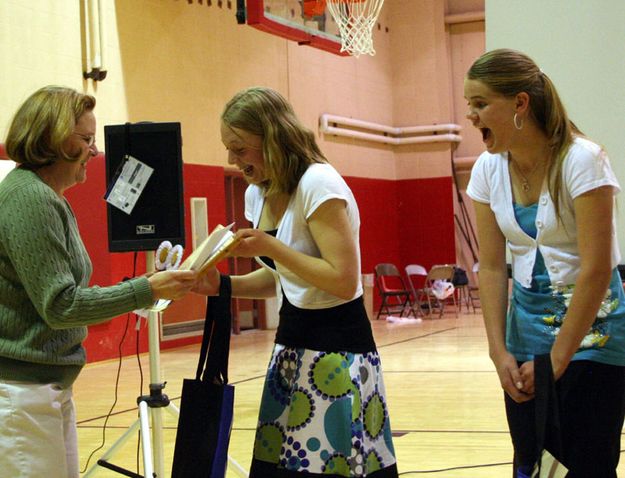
343,328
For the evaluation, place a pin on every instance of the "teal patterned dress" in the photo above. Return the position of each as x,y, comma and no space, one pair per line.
536,313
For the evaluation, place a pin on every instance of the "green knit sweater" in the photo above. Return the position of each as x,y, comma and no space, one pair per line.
45,301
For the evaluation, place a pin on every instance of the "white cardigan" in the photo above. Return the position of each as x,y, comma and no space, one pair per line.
320,183
586,167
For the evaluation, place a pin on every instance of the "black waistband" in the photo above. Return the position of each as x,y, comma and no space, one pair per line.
344,328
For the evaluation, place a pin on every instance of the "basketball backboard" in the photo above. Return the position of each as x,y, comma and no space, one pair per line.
302,21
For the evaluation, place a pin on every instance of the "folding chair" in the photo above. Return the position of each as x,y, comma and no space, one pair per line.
416,275
443,273
393,291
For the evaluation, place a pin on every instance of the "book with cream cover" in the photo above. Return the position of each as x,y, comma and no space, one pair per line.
213,249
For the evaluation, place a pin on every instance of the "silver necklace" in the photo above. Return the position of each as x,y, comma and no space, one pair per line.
525,183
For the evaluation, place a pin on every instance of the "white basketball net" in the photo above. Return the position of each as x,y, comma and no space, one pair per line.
355,19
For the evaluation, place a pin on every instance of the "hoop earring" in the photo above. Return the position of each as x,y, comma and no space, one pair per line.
516,120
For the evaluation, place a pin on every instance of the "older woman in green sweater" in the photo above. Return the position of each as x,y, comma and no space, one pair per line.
45,300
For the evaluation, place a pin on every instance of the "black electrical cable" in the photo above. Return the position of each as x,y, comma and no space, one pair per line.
138,336
465,467
138,356
117,377
110,412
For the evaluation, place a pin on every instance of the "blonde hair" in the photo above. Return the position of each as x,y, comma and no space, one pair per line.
510,72
43,123
288,146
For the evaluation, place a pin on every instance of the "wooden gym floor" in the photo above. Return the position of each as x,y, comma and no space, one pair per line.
445,401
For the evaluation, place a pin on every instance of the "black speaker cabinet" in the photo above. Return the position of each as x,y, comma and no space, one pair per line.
158,214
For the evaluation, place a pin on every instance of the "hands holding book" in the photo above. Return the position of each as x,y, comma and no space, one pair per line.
198,273
245,243
208,283
172,285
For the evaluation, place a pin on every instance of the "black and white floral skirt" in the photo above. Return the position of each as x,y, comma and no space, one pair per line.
323,413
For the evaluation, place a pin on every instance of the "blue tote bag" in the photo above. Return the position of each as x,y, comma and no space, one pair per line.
206,404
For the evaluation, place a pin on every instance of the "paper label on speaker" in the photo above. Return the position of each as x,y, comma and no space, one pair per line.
129,185
145,229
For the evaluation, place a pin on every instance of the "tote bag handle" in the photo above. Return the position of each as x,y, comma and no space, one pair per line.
213,362
546,408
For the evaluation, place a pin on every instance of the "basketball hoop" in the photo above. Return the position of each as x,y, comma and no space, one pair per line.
355,19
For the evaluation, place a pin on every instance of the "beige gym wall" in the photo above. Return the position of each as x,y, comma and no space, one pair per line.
581,45
168,60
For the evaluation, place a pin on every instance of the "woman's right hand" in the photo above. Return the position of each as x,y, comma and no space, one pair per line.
172,285
208,283
510,377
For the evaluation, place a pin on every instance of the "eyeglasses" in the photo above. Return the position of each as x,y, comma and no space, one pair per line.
90,140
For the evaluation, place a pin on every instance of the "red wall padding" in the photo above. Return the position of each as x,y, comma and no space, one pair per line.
379,220
426,225
405,222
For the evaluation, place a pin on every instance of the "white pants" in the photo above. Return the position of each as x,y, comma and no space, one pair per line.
37,431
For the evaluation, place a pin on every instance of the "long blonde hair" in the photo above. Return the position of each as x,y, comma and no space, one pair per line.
43,123
510,72
288,146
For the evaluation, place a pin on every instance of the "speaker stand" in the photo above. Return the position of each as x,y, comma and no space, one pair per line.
150,406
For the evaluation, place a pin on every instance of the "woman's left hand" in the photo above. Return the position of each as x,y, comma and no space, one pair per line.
527,374
527,377
254,243
208,283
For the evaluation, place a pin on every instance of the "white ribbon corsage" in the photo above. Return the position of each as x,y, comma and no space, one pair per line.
168,257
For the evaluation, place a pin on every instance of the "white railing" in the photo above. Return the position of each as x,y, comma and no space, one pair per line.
366,130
